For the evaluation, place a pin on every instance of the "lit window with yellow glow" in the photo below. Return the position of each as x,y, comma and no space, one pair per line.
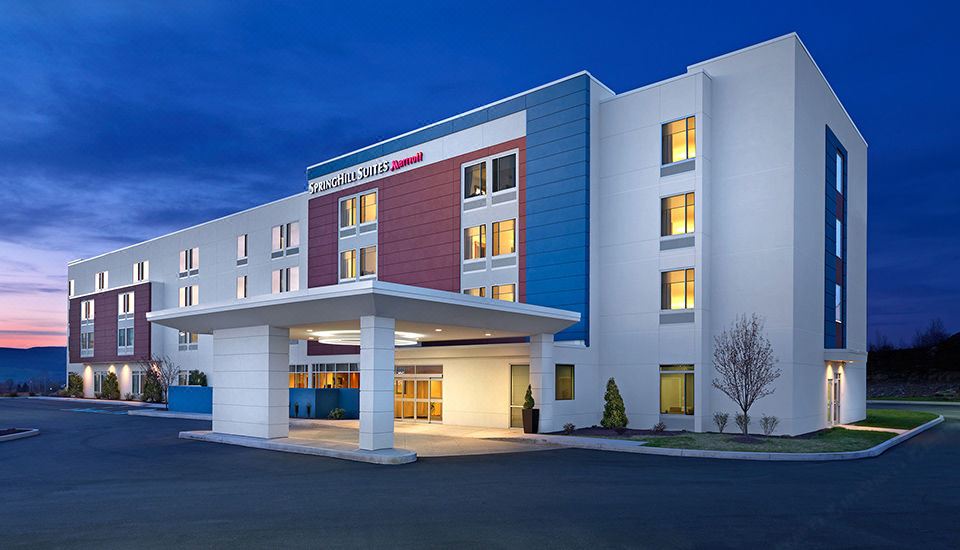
348,265
368,261
679,140
368,208
504,237
475,242
677,292
480,291
676,389
348,212
506,293
475,180
677,215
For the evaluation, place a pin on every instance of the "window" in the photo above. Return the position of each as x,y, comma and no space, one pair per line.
564,385
677,292
141,271
348,212
677,215
71,287
125,303
242,246
348,265
676,389
505,292
241,287
189,262
839,239
125,341
286,237
839,169
368,208
475,180
136,382
368,261
475,242
838,304
189,295
286,280
481,291
101,280
98,378
86,344
183,378
188,340
679,140
299,376
87,310
504,241
335,375
504,173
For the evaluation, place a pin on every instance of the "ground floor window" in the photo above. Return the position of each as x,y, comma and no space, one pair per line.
676,389
183,378
98,378
299,376
565,382
335,375
136,382
418,393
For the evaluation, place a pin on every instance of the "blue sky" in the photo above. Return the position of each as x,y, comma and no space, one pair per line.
122,121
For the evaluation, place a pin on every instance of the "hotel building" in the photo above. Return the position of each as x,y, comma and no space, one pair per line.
556,238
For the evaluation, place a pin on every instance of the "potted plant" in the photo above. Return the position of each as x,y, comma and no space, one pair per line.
531,416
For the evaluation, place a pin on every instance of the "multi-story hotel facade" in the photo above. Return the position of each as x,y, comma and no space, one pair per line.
556,238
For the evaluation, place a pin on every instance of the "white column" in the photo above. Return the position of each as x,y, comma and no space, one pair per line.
543,378
250,384
376,382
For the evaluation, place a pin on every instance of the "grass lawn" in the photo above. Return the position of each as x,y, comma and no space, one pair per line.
826,441
917,398
895,418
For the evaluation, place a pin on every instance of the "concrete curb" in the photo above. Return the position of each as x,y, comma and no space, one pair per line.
100,401
625,446
898,402
29,433
289,445
173,414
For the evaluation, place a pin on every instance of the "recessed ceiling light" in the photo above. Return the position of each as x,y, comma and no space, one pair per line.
487,334
438,330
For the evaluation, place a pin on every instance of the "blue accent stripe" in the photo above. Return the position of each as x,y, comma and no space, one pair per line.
830,245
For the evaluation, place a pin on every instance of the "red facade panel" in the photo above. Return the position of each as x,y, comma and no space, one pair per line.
418,230
105,326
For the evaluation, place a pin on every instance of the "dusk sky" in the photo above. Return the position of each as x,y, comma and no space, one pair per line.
122,121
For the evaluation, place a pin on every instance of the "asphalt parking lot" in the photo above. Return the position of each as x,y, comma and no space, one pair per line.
98,479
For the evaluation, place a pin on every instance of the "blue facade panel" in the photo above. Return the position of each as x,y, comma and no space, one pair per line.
190,399
832,197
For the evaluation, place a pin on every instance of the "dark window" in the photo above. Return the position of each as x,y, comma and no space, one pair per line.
504,173
565,382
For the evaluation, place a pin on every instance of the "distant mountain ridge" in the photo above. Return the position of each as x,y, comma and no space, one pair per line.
21,365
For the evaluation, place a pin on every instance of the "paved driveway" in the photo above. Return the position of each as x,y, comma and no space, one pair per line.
94,480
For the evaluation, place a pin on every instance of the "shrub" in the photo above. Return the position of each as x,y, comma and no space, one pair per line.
614,412
768,424
721,419
336,414
197,378
111,387
743,422
568,428
74,385
528,402
128,397
659,427
12,394
152,389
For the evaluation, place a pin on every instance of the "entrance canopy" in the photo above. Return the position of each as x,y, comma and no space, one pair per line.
332,314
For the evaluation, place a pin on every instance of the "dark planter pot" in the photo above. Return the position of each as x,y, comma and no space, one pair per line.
531,421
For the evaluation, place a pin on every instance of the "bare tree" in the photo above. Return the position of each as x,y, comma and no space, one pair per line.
743,359
931,336
165,369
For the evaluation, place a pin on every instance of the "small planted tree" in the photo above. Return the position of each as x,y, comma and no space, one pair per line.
111,387
721,419
74,385
744,362
152,390
165,371
528,402
530,414
614,412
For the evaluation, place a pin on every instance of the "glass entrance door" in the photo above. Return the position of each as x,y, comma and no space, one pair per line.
519,380
833,397
418,394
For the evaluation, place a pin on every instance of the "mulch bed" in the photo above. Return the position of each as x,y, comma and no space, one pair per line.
11,431
629,432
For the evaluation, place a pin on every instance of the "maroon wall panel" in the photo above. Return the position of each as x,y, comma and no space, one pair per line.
418,229
105,326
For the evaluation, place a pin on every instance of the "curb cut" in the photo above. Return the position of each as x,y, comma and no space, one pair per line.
624,446
29,433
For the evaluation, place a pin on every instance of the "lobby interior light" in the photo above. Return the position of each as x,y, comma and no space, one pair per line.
352,337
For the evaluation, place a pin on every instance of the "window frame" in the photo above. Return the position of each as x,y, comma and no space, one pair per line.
496,241
285,279
686,140
483,243
573,381
189,262
141,271
481,291
687,375
361,209
242,284
189,295
665,296
101,281
281,236
463,180
494,289
361,261
489,192
243,241
689,209
353,263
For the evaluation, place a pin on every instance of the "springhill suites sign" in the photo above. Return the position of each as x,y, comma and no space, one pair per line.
364,172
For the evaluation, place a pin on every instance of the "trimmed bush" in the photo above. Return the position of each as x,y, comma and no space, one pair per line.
528,402
769,424
74,385
721,419
337,414
568,428
659,427
614,412
743,422
197,378
152,389
111,387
